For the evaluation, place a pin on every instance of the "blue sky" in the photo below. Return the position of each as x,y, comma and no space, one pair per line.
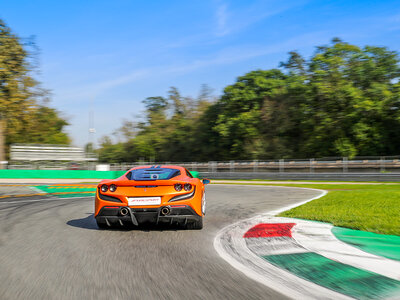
116,53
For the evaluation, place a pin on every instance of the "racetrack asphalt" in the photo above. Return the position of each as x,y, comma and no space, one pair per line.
52,249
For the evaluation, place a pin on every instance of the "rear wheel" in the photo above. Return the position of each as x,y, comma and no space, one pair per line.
203,204
198,224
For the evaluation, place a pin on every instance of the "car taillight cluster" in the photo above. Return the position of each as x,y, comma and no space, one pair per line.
104,188
187,187
178,187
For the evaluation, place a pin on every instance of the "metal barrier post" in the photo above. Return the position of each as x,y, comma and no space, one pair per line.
255,166
281,165
345,164
311,165
382,164
232,166
212,166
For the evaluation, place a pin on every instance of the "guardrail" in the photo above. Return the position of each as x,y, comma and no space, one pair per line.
331,168
320,165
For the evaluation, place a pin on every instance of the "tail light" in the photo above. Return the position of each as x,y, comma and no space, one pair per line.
178,187
104,188
187,187
113,188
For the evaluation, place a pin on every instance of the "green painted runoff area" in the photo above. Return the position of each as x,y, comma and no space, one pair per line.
71,191
379,244
61,174
342,278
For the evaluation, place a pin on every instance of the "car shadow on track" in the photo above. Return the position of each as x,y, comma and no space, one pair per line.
86,223
90,223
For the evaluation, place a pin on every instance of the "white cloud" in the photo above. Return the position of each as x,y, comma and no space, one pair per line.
235,20
222,16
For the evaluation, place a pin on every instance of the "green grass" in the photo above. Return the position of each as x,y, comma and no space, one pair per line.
374,208
368,207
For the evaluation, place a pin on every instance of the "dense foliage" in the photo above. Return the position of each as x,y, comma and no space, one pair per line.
24,113
343,101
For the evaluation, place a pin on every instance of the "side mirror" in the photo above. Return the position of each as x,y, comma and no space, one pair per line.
206,181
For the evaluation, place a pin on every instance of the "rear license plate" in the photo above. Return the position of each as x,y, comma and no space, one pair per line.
138,201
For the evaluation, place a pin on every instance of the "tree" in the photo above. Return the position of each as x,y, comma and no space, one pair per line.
109,152
23,102
156,104
351,100
238,123
16,103
127,131
176,101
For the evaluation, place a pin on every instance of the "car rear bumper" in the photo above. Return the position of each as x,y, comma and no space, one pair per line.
177,214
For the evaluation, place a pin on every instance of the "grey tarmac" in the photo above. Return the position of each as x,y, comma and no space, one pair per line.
53,250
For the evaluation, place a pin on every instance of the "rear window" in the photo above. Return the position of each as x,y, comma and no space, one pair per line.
153,174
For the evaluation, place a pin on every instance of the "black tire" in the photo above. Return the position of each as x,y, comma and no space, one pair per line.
197,225
101,225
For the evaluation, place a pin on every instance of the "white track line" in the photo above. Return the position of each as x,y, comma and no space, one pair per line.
285,208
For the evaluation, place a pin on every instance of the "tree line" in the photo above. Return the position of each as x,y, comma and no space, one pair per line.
25,116
342,101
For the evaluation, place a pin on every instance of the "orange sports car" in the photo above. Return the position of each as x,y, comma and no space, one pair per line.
151,194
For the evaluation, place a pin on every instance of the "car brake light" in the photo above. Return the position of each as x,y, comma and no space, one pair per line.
113,188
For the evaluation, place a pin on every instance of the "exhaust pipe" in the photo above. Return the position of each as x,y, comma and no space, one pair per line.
124,211
165,211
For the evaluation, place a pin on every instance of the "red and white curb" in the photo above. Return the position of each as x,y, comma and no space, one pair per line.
232,247
240,245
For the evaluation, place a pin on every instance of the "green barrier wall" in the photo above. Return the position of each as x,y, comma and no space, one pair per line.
62,174
195,174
